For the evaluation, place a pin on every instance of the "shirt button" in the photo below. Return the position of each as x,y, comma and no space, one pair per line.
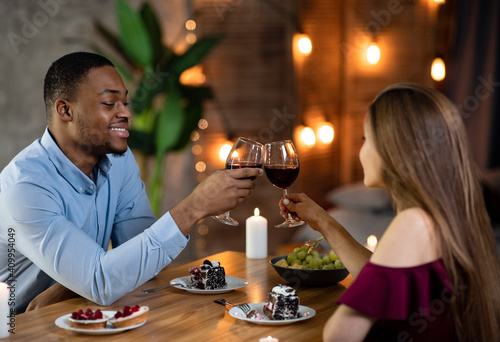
91,186
80,189
180,249
156,274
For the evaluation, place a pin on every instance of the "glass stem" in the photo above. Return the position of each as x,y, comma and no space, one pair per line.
289,216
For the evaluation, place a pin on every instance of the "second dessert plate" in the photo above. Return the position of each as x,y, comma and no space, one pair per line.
305,312
233,283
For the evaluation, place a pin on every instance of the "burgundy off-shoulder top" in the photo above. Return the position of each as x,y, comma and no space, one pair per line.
410,303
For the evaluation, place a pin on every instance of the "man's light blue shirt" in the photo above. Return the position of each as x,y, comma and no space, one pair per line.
56,225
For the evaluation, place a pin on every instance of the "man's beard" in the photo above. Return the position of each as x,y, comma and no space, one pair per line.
93,141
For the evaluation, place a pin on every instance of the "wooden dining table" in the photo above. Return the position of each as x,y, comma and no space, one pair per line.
179,315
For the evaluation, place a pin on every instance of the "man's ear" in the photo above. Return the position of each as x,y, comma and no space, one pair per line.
63,109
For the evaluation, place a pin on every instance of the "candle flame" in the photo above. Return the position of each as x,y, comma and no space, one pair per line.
256,212
372,241
269,338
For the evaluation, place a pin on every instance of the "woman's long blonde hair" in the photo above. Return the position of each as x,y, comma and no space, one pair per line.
422,141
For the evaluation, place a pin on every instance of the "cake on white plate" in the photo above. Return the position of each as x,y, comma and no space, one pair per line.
88,319
130,316
209,276
282,304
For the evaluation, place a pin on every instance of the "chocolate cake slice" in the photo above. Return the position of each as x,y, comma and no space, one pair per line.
283,303
209,276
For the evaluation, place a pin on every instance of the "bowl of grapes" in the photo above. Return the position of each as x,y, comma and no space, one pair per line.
305,266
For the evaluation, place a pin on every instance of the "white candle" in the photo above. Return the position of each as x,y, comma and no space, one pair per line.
4,310
269,339
256,236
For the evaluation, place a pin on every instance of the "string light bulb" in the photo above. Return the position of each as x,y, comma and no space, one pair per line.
193,76
191,38
304,44
224,151
373,54
438,70
307,136
190,25
326,133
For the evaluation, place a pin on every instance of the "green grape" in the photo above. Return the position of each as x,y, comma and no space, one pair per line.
316,263
314,260
326,259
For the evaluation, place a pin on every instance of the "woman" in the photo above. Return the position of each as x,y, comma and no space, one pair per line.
435,274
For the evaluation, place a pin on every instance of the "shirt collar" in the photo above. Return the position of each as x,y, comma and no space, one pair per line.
73,175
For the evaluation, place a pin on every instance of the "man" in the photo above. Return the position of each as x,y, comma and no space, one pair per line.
68,194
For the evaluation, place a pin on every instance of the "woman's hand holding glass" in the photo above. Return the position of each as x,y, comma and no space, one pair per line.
281,164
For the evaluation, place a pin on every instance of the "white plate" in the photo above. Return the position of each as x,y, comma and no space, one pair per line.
233,283
63,322
237,313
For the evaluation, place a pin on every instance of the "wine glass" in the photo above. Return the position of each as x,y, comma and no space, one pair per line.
281,164
244,153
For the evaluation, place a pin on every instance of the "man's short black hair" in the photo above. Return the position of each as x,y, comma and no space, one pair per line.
66,74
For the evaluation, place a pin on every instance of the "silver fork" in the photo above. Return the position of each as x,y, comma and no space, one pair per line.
244,307
164,287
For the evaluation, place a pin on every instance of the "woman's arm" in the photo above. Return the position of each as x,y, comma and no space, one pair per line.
408,241
353,255
346,325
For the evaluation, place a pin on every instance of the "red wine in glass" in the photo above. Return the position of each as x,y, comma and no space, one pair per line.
239,165
244,153
282,176
281,164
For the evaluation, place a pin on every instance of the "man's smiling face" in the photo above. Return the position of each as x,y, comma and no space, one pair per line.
101,113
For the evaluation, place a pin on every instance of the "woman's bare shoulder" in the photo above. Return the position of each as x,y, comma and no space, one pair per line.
409,240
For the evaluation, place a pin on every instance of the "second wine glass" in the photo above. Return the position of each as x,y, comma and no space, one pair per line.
281,164
244,153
